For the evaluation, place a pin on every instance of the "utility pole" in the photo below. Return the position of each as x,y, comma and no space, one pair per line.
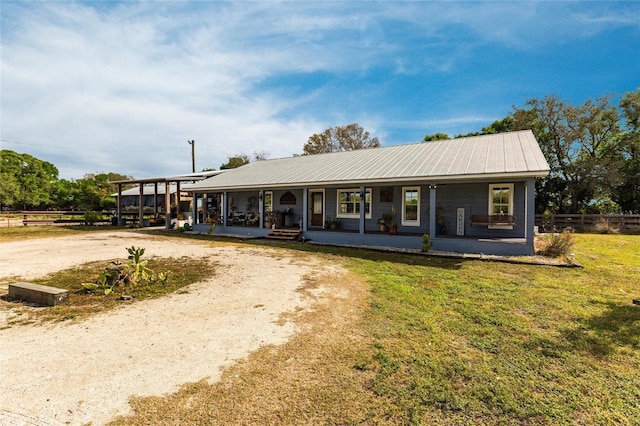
193,155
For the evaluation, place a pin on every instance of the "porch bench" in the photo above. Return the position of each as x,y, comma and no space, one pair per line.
493,220
42,295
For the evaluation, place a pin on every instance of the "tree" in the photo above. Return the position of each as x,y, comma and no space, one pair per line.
581,146
340,138
436,137
26,181
498,126
260,155
628,193
235,161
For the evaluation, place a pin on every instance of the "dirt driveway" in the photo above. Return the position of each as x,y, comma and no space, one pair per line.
75,373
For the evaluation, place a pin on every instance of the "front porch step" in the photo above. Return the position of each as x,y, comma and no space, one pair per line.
284,234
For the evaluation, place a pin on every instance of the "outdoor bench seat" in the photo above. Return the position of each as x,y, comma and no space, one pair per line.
493,220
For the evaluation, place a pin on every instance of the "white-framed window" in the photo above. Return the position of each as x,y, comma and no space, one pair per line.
501,201
348,205
410,206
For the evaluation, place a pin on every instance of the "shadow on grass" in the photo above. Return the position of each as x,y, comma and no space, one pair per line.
601,335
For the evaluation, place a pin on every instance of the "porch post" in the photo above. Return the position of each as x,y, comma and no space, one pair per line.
141,206
305,209
261,209
155,199
194,209
119,207
167,205
432,210
224,208
529,210
363,195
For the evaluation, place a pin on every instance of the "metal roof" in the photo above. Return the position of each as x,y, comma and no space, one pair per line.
190,177
149,189
502,155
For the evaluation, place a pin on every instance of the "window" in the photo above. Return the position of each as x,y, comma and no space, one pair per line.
411,206
501,201
349,203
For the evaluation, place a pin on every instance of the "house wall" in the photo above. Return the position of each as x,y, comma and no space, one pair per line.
473,197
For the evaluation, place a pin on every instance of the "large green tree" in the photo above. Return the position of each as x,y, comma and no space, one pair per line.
236,161
628,193
25,181
94,191
340,138
581,145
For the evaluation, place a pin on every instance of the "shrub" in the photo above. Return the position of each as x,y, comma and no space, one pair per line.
604,226
120,275
556,245
426,243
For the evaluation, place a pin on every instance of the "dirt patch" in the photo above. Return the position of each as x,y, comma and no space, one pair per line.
86,372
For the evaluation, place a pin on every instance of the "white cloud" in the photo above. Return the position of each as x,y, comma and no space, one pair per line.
122,86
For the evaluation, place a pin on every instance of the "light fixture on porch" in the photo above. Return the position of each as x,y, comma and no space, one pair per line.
260,195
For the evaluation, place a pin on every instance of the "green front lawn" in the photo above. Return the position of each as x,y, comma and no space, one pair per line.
442,341
483,342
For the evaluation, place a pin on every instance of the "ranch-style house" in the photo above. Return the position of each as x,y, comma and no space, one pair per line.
470,195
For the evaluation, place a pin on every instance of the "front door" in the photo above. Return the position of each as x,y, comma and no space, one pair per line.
317,208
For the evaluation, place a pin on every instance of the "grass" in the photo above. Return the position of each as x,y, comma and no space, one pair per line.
440,341
181,271
407,339
15,233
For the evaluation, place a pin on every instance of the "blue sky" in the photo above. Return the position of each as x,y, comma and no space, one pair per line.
122,86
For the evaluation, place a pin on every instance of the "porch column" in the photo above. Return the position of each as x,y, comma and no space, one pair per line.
167,205
224,208
119,206
432,210
141,206
261,209
363,195
155,199
305,209
178,197
194,209
529,210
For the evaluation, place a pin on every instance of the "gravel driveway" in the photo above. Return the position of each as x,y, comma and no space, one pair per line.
74,373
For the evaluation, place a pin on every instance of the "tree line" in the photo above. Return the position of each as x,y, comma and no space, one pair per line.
593,150
28,183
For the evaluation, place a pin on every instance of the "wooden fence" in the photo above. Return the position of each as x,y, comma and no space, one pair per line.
46,217
626,223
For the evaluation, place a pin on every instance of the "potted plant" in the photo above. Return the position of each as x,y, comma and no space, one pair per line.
390,221
269,219
333,223
441,221
386,218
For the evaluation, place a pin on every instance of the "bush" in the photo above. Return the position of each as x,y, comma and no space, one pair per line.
604,226
556,245
426,243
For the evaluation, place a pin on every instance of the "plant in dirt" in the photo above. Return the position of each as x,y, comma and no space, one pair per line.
134,272
426,243
556,244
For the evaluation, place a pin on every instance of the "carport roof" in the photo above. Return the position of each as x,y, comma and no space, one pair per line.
497,156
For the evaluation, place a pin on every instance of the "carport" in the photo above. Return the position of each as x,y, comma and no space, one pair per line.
155,182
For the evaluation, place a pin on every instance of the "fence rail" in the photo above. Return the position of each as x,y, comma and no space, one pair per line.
63,217
589,222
